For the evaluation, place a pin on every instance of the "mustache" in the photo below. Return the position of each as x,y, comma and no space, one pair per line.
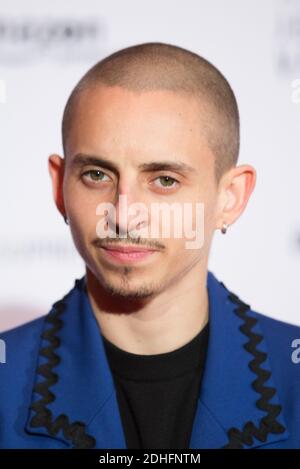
151,244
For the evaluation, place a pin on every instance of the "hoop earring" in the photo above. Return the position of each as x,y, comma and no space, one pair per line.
224,228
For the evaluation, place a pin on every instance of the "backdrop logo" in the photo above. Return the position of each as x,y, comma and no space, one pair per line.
63,39
287,37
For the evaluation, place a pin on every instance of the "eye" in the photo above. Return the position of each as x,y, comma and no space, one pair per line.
166,182
95,175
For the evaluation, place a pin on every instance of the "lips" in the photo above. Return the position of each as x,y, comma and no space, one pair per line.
127,249
127,253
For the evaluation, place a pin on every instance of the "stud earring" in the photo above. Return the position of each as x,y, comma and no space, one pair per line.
224,228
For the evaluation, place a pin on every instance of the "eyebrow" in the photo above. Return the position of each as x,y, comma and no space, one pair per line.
81,159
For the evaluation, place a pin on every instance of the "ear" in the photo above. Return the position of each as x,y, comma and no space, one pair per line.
235,188
56,166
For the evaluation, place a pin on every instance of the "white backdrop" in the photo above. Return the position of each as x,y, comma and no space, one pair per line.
45,47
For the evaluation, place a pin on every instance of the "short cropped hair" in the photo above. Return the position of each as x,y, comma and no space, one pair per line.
160,66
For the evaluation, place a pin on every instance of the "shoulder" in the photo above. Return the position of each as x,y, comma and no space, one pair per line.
283,353
17,370
278,330
22,337
278,340
19,347
277,352
283,342
24,330
281,339
20,340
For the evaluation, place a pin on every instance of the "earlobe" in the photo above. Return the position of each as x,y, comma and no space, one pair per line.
56,171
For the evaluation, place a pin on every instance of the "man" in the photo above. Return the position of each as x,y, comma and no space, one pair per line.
149,349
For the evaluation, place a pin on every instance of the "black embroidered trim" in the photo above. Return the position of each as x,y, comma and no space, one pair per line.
268,424
43,418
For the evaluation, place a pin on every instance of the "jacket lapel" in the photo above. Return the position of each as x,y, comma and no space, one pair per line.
238,405
74,399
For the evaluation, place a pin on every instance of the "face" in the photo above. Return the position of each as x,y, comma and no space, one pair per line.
150,148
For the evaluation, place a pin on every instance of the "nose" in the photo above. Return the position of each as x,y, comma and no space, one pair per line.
131,213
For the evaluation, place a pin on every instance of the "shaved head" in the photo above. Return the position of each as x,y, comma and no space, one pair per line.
158,66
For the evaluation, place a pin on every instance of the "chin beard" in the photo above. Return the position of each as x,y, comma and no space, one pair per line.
125,292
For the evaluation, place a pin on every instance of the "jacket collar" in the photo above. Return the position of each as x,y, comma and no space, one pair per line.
74,399
238,405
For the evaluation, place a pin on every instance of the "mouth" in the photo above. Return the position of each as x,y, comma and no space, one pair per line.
125,254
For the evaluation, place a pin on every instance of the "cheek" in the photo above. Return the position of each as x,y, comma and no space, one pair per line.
201,226
210,215
80,208
187,250
209,225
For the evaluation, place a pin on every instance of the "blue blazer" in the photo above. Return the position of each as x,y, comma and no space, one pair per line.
57,391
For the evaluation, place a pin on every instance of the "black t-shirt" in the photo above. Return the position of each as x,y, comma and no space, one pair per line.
157,394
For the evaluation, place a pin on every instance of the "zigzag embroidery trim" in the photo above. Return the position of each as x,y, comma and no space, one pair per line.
43,418
268,424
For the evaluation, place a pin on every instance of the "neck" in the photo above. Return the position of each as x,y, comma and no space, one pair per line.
161,324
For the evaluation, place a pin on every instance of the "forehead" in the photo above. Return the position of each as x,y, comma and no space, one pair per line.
122,124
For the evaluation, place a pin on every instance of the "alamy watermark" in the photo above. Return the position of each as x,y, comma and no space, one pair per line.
2,351
296,353
162,220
